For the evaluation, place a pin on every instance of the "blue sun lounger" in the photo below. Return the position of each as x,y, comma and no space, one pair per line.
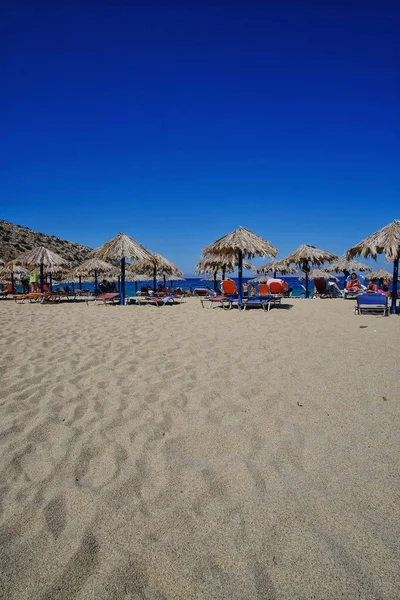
372,303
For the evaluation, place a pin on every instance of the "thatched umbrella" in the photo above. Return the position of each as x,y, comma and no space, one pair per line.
155,266
136,278
9,270
122,247
238,244
43,258
379,274
276,266
215,263
342,265
385,241
306,255
318,274
93,266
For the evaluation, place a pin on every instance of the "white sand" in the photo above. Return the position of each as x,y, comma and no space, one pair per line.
180,453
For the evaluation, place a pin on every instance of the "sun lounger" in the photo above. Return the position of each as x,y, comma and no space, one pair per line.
8,290
160,301
372,304
254,303
38,297
105,299
217,299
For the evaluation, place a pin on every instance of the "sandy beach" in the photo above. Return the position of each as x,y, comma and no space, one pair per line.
181,453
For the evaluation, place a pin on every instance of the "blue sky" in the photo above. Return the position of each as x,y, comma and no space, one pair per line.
178,122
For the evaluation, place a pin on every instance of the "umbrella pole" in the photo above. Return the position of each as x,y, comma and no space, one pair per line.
307,291
274,274
394,284
95,282
164,279
240,278
155,279
122,290
50,282
73,287
41,278
12,282
215,281
223,273
80,282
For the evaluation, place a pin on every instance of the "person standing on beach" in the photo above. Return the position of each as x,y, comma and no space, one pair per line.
245,290
25,283
34,281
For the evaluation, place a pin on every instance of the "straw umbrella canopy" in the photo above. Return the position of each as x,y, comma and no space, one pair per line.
41,257
8,271
93,266
155,266
239,244
345,266
122,247
379,274
276,266
215,263
384,241
318,274
306,255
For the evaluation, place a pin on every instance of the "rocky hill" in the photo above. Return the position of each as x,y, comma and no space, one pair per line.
16,239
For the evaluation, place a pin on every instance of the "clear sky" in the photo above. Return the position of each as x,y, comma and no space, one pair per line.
176,122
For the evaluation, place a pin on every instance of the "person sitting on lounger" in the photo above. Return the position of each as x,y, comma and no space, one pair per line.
333,288
384,287
353,285
371,287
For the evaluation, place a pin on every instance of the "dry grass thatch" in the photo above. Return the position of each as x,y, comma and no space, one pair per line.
162,265
52,262
122,246
276,266
379,274
214,263
91,265
11,268
310,254
141,277
244,240
342,265
385,241
319,274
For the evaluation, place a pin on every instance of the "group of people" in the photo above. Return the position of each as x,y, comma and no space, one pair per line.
30,283
106,287
354,285
160,290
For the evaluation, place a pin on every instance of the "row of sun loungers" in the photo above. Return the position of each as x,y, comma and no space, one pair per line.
268,296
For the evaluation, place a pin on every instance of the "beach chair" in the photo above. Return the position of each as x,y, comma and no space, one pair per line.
213,298
160,300
109,298
7,290
256,303
263,289
372,304
275,295
321,289
229,291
